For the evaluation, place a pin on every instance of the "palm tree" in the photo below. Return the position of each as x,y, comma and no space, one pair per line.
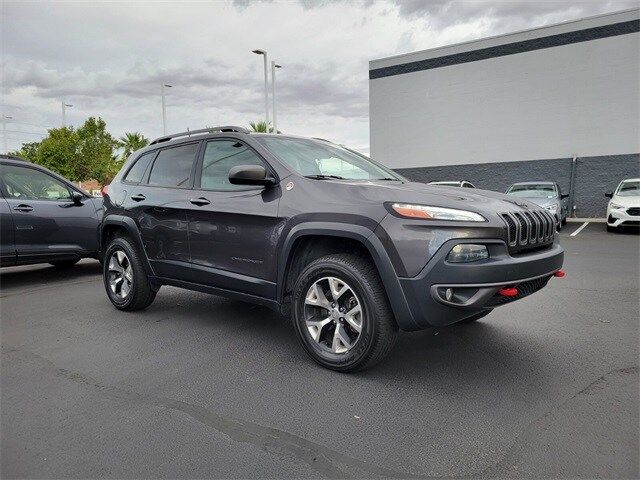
130,142
260,127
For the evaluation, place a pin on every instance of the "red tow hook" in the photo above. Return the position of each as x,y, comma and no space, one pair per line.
508,292
559,274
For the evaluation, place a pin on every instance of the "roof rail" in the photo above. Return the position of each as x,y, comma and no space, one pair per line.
227,128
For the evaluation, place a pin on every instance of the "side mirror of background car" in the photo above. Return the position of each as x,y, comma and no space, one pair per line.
608,194
77,197
250,175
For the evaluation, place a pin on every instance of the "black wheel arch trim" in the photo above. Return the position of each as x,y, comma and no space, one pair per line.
134,233
367,238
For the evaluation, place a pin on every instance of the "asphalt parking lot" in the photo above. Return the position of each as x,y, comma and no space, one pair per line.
200,386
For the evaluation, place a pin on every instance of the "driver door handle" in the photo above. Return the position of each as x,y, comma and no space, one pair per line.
200,201
138,198
23,208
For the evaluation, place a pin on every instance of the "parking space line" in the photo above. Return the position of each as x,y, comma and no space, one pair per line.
579,229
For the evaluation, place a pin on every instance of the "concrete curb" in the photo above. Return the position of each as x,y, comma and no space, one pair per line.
590,220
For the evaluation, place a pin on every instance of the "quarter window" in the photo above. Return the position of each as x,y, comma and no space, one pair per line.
172,167
31,184
135,173
219,157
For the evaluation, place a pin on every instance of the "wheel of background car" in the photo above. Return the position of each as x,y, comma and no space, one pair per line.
341,313
125,279
474,318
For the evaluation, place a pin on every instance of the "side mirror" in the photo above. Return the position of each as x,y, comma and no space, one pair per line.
250,175
609,194
564,195
77,198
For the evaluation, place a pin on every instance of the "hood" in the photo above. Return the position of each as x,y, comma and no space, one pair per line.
472,199
632,201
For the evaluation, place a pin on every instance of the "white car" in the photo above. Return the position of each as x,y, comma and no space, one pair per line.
624,206
454,183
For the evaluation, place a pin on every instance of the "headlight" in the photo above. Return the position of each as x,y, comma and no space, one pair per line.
467,252
436,213
615,206
552,208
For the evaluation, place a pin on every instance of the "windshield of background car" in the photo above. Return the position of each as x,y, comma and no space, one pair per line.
311,157
629,189
532,191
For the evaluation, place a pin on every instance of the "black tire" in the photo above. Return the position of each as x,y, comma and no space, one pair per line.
64,263
141,294
564,221
474,318
378,327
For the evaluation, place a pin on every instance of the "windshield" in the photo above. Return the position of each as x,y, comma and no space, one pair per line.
629,189
532,191
319,159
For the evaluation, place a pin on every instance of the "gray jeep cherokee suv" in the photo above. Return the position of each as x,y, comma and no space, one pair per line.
350,249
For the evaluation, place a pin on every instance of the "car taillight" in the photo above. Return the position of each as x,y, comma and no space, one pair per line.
105,190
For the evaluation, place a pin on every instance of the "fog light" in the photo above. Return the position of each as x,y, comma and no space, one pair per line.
448,294
467,252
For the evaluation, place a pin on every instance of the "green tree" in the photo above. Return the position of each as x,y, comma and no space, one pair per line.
130,142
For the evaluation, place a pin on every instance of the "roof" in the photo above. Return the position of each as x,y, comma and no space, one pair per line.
546,182
575,31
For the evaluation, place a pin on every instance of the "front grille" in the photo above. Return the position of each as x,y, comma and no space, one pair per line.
524,289
635,211
528,229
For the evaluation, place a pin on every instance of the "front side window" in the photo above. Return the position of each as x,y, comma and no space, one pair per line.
135,173
29,184
533,191
172,167
220,156
629,189
313,158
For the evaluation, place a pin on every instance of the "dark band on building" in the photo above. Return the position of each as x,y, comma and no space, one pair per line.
568,38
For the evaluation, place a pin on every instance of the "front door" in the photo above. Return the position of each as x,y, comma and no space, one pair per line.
233,229
7,243
158,204
48,225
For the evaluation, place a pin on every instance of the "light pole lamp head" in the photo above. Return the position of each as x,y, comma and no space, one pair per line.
167,85
259,51
277,66
68,105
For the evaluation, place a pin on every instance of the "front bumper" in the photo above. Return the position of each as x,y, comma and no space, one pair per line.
620,218
475,285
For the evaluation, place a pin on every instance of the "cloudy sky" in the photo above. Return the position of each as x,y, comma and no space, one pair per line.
109,59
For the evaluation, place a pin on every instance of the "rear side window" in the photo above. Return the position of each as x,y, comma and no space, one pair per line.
172,167
135,173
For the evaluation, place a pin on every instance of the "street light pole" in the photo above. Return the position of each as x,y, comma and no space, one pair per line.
164,107
64,113
274,65
266,85
4,133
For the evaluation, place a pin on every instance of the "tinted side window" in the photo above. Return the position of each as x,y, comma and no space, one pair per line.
219,157
172,167
135,173
30,184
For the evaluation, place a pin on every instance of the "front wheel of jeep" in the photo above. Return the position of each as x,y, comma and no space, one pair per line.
341,313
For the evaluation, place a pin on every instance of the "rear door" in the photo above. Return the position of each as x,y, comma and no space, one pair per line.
233,229
7,243
48,225
158,204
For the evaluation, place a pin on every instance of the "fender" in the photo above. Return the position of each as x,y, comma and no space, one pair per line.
366,237
132,230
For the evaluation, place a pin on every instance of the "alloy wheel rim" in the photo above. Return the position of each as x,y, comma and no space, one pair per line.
120,275
333,315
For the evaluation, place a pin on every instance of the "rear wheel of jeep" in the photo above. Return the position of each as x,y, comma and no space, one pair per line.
341,313
124,276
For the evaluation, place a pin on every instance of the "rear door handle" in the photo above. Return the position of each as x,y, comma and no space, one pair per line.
23,208
200,201
138,198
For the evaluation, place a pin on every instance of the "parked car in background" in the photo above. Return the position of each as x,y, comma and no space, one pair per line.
45,218
454,183
349,249
546,194
624,206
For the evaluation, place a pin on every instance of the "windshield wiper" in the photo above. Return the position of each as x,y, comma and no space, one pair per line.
387,179
324,177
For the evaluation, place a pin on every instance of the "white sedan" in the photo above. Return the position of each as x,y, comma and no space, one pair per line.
624,206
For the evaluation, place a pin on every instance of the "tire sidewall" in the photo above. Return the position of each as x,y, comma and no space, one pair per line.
359,353
120,244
